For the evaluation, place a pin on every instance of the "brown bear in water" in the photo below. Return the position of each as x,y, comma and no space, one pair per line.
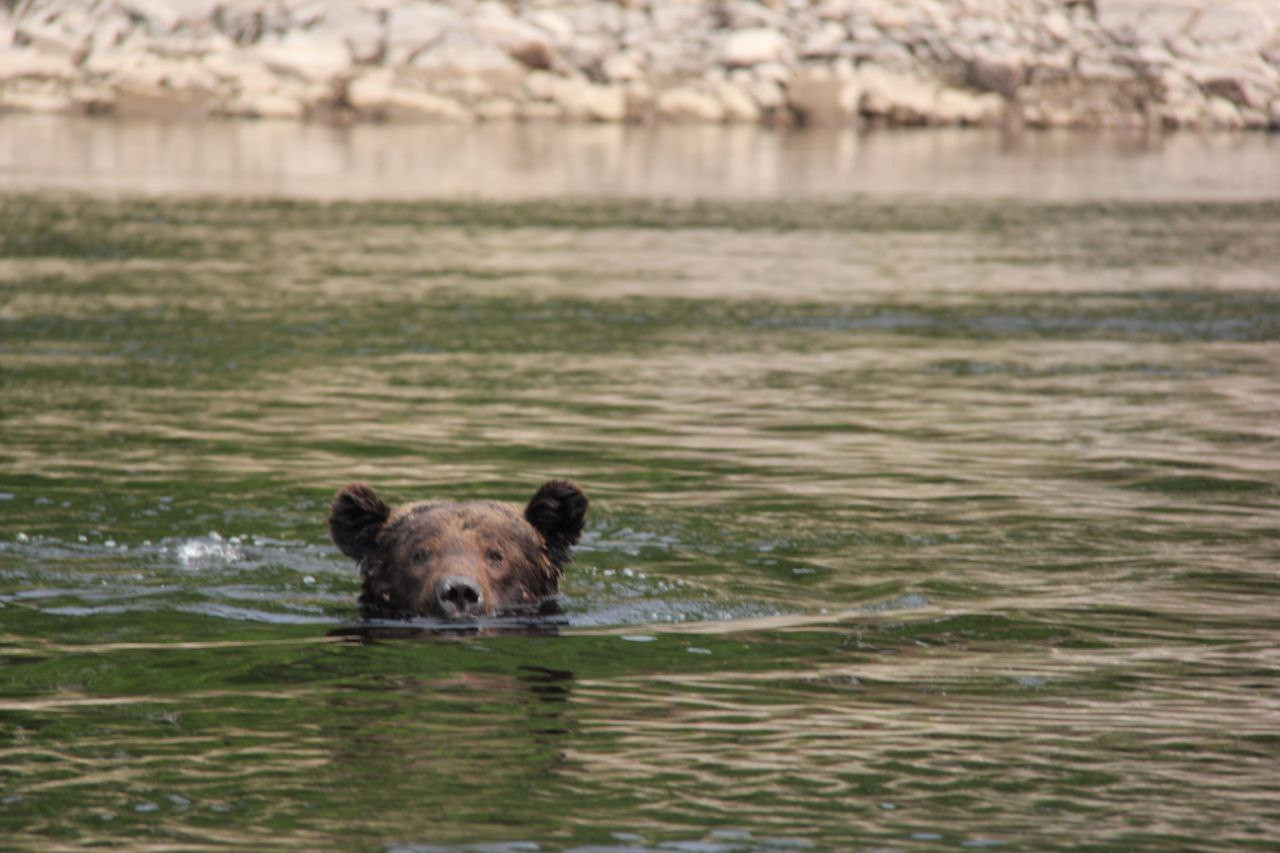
457,560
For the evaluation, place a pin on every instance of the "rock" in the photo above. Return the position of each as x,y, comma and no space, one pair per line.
557,26
956,106
895,97
738,106
819,97
1239,24
825,42
999,73
35,95
20,63
314,57
266,104
621,68
52,37
578,98
359,29
412,29
379,94
767,94
745,48
1222,113
686,104
494,24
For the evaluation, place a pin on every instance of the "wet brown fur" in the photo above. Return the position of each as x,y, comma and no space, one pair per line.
515,556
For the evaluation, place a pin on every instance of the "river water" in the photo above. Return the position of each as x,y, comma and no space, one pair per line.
929,510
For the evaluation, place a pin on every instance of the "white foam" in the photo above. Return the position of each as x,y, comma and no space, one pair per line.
212,548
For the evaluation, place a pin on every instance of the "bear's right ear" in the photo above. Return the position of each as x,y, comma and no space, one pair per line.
355,519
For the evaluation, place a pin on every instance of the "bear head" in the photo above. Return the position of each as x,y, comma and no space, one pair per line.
457,560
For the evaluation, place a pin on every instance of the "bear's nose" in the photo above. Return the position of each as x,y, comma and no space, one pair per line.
459,596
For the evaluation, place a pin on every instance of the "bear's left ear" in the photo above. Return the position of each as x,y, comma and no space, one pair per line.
557,511
356,519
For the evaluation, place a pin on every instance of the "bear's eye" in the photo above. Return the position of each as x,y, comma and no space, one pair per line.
421,555
493,555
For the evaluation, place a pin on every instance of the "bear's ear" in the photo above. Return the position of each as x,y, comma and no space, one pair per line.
557,511
355,519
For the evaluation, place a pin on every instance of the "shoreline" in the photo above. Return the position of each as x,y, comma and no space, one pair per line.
1098,64
511,162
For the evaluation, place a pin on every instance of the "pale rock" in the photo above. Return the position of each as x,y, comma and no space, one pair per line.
836,10
540,111
775,71
134,100
554,24
158,16
1222,113
955,106
738,106
467,57
496,109
52,37
412,29
35,96
1254,119
22,63
1057,25
241,70
768,94
1240,24
755,46
819,97
314,57
686,104
265,105
494,24
621,68
897,97
825,42
581,99
1092,69
378,93
359,29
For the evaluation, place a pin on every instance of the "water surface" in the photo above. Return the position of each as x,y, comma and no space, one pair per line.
917,522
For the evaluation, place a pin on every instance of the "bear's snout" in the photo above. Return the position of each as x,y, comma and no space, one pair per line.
459,595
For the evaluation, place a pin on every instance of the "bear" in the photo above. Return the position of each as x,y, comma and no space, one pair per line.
458,560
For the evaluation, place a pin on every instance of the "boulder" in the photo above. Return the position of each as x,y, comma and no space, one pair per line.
754,46
412,29
687,104
818,97
315,57
380,94
895,97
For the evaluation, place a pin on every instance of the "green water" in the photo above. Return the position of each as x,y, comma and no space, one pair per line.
914,523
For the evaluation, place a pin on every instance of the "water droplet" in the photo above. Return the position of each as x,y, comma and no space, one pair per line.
639,638
308,579
144,808
22,537
697,650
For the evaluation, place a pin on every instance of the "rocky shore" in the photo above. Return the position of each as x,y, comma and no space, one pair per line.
1038,63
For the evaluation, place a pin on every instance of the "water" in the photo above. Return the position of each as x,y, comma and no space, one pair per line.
940,520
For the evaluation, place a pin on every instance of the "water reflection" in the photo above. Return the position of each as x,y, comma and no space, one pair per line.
527,161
